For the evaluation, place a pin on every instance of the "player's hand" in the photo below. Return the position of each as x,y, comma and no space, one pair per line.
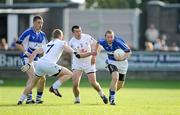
94,53
93,60
121,58
77,55
26,67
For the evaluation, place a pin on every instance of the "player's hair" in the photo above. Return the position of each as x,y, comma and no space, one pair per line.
37,17
56,33
75,27
108,32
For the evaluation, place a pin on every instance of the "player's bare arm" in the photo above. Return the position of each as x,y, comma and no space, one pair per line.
97,49
27,66
78,55
83,55
33,55
68,49
93,46
22,49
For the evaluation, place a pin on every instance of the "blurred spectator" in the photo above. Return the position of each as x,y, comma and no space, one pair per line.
149,46
3,44
174,47
152,34
13,44
163,41
160,43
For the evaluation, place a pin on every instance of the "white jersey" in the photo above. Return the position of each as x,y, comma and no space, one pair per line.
81,45
53,51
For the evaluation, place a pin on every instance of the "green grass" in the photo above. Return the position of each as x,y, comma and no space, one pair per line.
136,98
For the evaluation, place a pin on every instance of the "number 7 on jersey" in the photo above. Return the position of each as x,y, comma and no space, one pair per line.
50,46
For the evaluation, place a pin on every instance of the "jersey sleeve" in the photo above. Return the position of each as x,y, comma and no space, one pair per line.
101,41
23,36
123,45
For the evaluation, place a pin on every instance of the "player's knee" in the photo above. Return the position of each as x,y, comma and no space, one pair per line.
75,86
92,82
32,84
115,78
70,74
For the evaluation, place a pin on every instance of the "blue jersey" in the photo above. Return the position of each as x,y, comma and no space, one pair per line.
118,43
31,40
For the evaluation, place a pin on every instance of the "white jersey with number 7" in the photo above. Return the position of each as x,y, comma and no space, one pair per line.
53,50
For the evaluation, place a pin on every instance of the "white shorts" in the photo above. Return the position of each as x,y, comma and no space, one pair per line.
85,67
43,68
121,65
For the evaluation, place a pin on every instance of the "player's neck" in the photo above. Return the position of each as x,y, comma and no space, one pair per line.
78,38
109,43
36,30
57,39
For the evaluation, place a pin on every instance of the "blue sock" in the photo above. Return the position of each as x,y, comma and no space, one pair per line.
112,94
29,97
39,95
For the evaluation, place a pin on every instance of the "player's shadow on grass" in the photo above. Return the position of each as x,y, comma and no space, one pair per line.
9,105
57,104
69,104
72,104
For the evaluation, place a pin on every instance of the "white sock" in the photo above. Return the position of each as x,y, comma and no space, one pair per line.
101,93
23,97
77,98
113,97
56,84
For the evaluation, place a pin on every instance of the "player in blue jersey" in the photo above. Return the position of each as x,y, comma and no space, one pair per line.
117,66
31,39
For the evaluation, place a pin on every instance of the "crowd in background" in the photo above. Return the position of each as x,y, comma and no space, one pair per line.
158,42
4,44
154,41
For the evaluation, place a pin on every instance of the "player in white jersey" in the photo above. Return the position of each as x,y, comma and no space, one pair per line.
47,64
83,43
31,39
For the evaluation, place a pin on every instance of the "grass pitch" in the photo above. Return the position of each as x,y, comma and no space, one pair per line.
137,98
